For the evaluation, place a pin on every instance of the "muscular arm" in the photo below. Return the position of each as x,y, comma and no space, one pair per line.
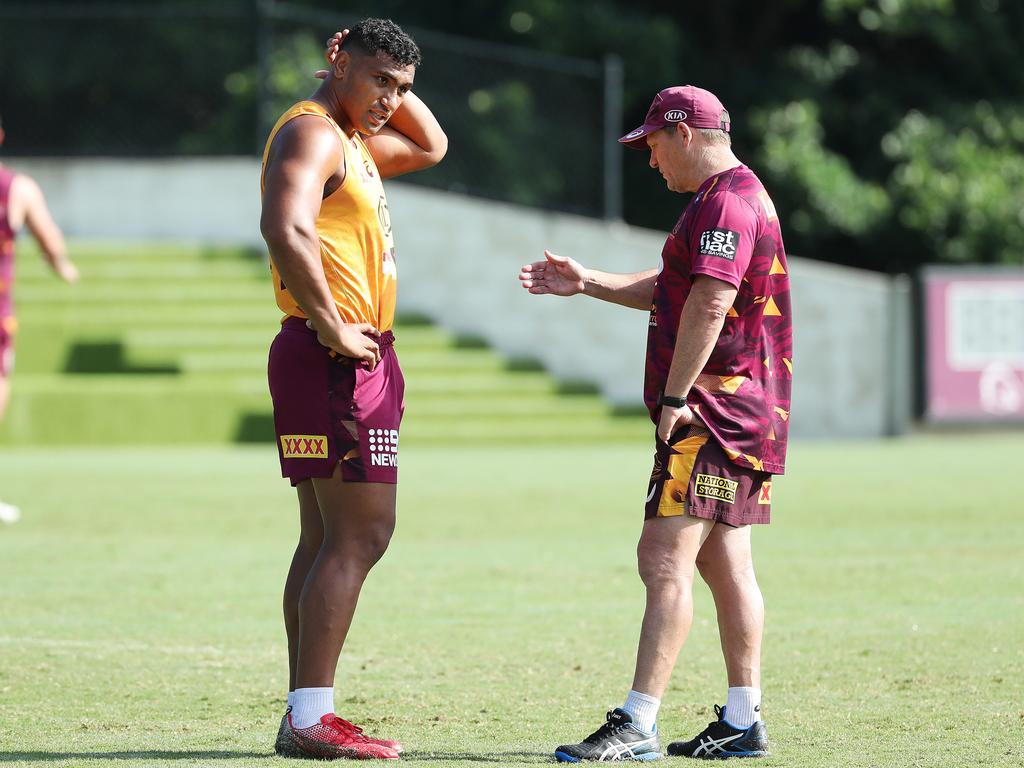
29,198
700,324
305,154
411,141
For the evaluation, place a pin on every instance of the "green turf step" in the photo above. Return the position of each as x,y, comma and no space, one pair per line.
241,349
169,343
85,253
106,389
77,411
184,292
128,314
130,274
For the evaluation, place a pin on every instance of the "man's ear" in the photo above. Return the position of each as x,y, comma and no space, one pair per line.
685,133
342,62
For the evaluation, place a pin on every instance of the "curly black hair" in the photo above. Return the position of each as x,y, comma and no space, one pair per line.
383,35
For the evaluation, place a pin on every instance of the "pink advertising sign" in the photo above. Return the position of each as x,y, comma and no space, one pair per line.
974,344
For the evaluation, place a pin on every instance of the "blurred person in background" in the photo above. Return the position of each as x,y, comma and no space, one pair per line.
22,204
717,385
335,381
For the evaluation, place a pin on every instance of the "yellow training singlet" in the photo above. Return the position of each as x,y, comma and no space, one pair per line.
356,246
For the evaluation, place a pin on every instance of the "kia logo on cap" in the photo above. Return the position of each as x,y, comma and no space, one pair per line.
675,115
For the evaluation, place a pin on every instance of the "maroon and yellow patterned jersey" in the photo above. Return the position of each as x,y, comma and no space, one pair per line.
7,236
730,231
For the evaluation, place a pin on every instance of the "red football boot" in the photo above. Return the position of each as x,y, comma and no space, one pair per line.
389,743
333,737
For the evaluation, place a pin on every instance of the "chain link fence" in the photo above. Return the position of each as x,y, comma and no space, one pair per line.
206,79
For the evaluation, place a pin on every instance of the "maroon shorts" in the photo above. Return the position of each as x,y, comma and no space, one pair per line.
333,409
693,476
6,351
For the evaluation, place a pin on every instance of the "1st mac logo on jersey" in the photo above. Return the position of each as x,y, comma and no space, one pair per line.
719,242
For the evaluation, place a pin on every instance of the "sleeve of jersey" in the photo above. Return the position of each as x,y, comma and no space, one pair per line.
722,238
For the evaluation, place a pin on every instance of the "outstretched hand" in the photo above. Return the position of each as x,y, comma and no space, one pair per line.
557,275
331,52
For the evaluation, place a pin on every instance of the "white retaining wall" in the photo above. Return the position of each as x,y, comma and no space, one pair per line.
458,258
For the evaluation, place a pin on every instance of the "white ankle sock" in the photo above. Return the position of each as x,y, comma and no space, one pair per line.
743,707
643,709
291,701
310,704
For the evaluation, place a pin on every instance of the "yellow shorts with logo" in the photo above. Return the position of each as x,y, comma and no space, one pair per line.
693,476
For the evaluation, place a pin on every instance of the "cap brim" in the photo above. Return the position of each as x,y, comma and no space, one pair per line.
637,138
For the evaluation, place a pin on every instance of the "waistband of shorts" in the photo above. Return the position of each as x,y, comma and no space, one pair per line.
386,339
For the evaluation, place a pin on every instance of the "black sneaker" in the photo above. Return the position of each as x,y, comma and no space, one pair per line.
721,740
617,739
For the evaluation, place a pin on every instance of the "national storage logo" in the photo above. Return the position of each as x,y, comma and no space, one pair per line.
715,487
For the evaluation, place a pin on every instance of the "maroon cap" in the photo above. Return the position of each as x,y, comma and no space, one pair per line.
679,104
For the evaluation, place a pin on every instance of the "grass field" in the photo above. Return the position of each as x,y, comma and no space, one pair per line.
139,622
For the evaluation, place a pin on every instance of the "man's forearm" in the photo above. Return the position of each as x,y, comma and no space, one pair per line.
296,257
415,121
635,290
699,328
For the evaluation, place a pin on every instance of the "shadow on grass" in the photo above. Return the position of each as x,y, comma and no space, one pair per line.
157,754
127,754
481,757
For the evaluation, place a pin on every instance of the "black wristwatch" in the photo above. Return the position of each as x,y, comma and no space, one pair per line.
672,402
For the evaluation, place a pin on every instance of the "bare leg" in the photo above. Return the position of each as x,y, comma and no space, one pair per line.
311,536
665,554
726,564
8,513
5,395
358,519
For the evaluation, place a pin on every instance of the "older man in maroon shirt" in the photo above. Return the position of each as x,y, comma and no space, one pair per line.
719,371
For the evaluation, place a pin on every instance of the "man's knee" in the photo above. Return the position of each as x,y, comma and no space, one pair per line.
725,571
661,565
310,541
362,545
376,541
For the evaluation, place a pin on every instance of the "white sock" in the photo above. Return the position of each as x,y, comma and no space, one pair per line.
743,707
310,704
291,701
643,709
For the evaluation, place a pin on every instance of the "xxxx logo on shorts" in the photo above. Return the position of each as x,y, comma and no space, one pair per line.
764,496
715,487
304,446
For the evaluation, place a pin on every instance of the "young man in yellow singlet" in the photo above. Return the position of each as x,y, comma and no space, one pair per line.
335,381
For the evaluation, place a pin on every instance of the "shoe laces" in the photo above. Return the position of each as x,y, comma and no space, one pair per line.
607,729
341,725
718,714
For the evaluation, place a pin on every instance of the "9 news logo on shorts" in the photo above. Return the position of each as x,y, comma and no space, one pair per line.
384,447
